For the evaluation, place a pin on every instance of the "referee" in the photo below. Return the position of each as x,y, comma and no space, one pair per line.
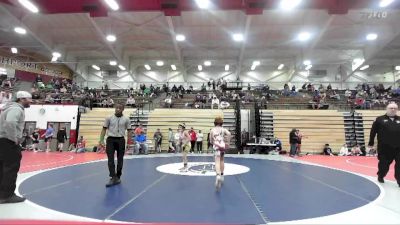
116,125
388,129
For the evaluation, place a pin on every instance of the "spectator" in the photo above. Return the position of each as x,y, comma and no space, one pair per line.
293,142
193,138
214,101
171,140
328,150
334,95
138,129
356,150
344,150
157,140
61,138
141,143
199,142
5,98
48,136
329,87
110,102
131,102
81,145
177,140
35,139
168,101
278,143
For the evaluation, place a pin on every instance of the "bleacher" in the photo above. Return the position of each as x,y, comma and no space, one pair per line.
92,122
319,128
368,117
199,119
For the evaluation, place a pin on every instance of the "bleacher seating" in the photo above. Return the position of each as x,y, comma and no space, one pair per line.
92,122
318,127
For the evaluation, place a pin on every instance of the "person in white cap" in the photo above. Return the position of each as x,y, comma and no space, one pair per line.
12,121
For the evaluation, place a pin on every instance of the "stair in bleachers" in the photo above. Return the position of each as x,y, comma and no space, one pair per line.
267,124
349,126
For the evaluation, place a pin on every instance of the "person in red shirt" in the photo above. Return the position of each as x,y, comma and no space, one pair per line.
193,139
139,129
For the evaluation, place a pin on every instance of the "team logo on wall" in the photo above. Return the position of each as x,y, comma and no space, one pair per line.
201,169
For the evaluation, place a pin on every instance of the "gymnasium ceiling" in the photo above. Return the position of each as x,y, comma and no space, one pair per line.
146,32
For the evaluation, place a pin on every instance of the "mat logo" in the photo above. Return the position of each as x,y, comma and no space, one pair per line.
201,169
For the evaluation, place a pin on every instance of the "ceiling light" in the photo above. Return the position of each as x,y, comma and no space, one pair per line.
95,67
3,71
253,67
238,37
111,38
113,63
14,50
203,4
207,63
289,4
160,63
227,67
364,67
307,62
308,67
371,37
20,30
397,68
281,66
200,67
147,67
304,36
112,4
56,54
256,63
29,5
180,37
384,3
122,67
54,59
173,67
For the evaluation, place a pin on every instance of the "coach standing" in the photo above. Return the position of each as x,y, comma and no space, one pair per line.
388,129
117,125
12,122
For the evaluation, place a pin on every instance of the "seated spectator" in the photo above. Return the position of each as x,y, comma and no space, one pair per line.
5,98
356,150
278,143
372,152
48,99
168,101
334,95
141,143
7,83
110,102
329,87
344,150
131,102
328,150
81,145
214,101
104,103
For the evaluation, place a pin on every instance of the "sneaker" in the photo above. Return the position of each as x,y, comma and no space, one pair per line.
13,199
113,181
218,182
222,179
183,169
381,180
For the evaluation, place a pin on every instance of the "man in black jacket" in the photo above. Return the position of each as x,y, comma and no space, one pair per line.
387,127
293,142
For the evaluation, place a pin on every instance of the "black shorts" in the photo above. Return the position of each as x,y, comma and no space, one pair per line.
35,141
48,139
61,141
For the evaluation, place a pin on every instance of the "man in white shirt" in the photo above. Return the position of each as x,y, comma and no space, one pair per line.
130,101
214,101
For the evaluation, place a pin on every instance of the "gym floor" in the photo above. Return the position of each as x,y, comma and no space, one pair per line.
258,189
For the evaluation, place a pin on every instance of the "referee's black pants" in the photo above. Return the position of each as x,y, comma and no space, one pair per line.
10,159
115,144
385,159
